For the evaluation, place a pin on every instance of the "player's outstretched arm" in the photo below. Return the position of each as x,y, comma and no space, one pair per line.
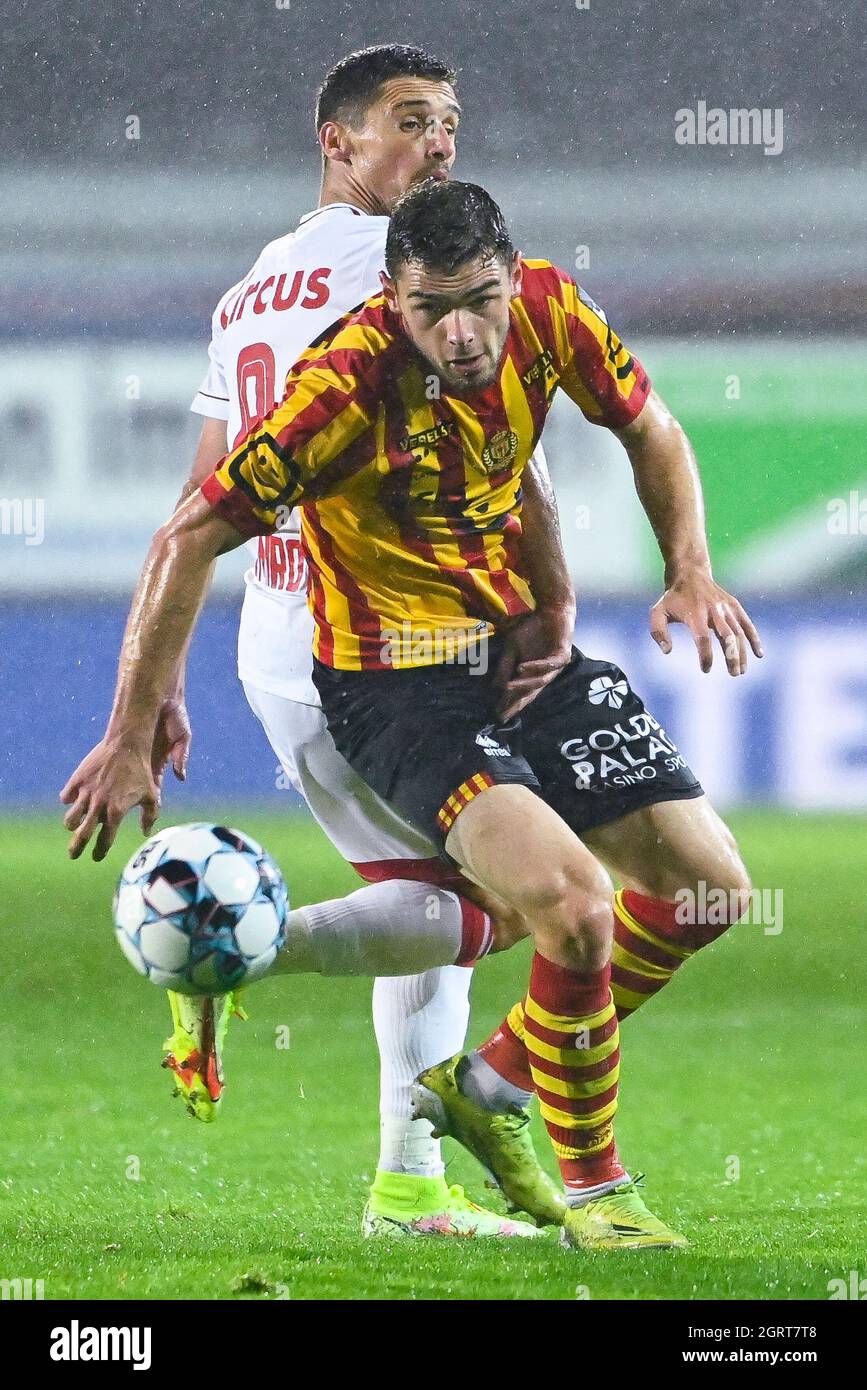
540,645
117,774
668,485
173,734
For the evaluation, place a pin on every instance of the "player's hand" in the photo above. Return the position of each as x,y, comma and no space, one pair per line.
705,608
537,648
115,776
172,738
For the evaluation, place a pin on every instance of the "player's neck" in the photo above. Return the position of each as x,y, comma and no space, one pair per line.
339,186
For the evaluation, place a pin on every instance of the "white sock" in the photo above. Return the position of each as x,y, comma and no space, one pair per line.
388,928
419,1020
580,1196
479,1082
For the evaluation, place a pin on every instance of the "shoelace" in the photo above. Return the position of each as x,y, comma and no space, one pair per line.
459,1197
628,1201
633,1184
502,1123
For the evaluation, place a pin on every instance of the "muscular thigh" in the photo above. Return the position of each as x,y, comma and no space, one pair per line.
671,845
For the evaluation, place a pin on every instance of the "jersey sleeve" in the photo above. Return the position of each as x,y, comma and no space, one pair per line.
212,397
309,444
596,370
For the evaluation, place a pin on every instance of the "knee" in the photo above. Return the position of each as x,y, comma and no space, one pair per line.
572,912
712,878
740,893
716,901
729,881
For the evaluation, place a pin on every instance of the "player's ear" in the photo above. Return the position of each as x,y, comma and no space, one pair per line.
334,140
389,289
516,276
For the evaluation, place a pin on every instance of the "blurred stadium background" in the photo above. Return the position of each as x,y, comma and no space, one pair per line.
740,278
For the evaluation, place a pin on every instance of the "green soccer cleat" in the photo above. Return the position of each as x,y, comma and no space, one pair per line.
618,1220
500,1141
403,1205
195,1049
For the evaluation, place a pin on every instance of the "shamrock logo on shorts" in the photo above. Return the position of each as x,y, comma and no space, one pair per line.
603,690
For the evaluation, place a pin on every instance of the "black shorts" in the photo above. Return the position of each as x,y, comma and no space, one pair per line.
427,739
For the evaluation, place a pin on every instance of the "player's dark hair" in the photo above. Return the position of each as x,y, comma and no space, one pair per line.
442,225
352,84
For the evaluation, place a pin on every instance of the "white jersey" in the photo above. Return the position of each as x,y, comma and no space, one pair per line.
298,287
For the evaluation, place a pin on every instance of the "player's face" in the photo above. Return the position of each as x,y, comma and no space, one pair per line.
459,322
408,134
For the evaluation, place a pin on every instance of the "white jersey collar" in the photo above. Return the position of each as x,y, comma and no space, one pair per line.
332,207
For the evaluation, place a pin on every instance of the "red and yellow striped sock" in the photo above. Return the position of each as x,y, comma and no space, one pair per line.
649,946
505,1051
573,1044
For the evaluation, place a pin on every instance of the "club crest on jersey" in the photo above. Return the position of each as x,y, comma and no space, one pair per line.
500,450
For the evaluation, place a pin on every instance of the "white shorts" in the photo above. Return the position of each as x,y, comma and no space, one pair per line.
366,831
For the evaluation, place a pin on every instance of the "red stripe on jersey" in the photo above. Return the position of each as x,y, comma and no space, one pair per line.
316,597
508,595
352,460
617,410
363,620
352,368
395,488
316,416
523,354
234,507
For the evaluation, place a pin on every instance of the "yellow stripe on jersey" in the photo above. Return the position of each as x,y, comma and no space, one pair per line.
411,505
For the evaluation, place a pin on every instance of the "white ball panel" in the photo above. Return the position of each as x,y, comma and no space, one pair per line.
193,843
164,897
257,930
167,979
131,908
164,946
257,969
231,878
131,952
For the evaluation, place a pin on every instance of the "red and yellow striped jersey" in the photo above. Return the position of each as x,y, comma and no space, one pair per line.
411,502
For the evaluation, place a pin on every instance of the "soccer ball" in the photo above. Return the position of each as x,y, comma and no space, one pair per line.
201,909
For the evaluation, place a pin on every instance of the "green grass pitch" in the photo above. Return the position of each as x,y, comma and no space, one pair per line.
742,1097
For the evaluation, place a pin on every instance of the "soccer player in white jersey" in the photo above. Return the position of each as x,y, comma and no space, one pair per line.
386,118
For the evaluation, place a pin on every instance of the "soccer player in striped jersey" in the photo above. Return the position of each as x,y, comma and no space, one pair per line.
405,434
386,117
